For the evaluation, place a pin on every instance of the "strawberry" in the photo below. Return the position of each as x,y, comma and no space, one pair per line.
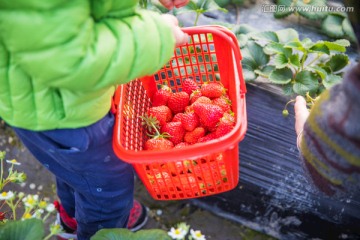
158,143
161,96
207,137
209,114
222,102
201,99
175,130
178,101
161,113
226,124
193,136
190,121
189,85
177,117
195,95
181,145
212,90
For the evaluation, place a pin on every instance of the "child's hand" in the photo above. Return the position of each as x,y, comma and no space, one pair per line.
301,114
170,4
180,37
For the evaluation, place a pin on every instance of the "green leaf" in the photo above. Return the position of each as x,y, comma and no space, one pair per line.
288,89
249,74
281,76
318,70
265,36
312,9
286,9
222,3
265,71
338,45
242,39
337,62
243,29
280,61
348,30
200,6
277,48
331,80
125,234
332,26
253,55
295,60
305,81
307,43
30,229
287,35
295,44
320,47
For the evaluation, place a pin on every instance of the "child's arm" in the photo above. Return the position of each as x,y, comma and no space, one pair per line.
83,44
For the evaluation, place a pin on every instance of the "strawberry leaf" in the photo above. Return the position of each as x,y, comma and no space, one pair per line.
332,25
265,71
331,80
285,10
312,9
306,81
320,47
281,76
287,35
294,60
280,60
337,62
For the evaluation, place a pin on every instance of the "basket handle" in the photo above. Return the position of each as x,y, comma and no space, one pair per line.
228,36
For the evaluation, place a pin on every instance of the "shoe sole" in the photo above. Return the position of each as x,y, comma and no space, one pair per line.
138,227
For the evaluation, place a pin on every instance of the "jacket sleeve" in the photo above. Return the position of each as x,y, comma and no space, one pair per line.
330,144
79,45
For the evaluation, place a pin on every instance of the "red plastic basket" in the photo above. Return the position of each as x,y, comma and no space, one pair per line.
212,54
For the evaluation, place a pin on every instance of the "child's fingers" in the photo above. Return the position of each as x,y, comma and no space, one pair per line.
180,3
301,114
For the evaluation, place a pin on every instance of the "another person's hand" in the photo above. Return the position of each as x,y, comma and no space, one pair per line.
180,37
301,114
170,4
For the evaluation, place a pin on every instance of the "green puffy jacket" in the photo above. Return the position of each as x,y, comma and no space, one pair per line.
61,59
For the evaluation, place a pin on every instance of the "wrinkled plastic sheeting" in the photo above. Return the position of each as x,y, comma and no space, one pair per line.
273,195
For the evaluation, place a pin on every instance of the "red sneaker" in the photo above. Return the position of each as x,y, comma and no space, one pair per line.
137,219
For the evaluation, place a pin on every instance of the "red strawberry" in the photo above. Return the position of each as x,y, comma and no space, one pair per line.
178,101
182,145
189,85
161,113
175,130
161,96
158,144
212,90
207,137
209,114
190,121
177,117
226,124
203,99
223,102
193,137
195,95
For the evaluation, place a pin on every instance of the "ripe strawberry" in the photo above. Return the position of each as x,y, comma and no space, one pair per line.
201,99
193,137
207,137
158,143
175,130
182,145
177,117
222,102
161,113
212,90
209,114
161,96
189,85
178,101
195,95
226,124
190,121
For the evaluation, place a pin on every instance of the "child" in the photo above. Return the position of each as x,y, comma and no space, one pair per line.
59,64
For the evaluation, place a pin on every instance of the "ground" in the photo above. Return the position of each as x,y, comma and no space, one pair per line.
162,214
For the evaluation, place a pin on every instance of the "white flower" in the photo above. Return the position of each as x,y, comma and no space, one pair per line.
38,213
31,200
197,235
13,161
178,233
50,207
6,195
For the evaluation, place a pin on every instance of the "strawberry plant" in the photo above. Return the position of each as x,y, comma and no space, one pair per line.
298,66
334,24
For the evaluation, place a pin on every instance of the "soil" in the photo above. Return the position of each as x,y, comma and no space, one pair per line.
162,214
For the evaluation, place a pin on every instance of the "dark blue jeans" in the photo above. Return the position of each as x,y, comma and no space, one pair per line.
94,186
